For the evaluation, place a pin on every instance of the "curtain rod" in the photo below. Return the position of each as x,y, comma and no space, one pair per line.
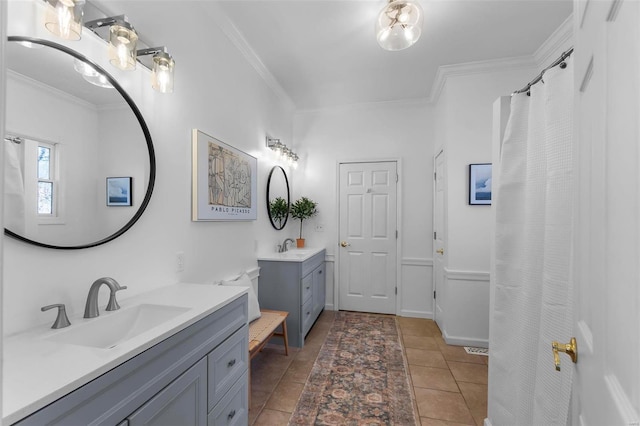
15,139
562,57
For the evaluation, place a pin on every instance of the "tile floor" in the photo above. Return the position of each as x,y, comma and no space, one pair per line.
450,386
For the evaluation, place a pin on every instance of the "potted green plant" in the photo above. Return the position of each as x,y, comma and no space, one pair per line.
302,209
278,210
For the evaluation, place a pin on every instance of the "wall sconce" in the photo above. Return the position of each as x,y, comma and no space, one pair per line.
283,152
123,40
64,18
162,68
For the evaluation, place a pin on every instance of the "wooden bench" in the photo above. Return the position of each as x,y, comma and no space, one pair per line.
262,330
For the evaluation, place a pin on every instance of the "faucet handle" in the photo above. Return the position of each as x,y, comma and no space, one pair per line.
113,303
61,320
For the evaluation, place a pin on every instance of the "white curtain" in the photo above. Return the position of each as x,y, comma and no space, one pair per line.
13,188
533,249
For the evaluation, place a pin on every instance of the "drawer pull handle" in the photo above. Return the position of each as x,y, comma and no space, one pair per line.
308,313
231,363
307,288
231,414
319,272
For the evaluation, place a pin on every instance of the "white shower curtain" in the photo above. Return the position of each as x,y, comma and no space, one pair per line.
13,188
533,250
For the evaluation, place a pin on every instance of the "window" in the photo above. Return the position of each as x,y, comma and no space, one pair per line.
47,182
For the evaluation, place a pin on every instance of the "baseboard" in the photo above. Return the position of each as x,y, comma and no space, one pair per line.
464,341
329,307
487,422
415,314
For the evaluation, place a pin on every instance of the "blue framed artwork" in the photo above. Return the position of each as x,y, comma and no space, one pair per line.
480,184
119,191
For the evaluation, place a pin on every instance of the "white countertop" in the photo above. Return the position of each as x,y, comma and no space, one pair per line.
293,255
37,371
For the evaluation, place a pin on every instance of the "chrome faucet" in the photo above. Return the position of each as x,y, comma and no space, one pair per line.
282,248
91,308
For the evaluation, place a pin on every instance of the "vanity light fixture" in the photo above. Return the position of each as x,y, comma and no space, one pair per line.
399,24
283,152
162,68
123,39
64,18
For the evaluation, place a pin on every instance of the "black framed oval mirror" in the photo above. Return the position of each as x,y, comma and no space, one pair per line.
97,134
278,200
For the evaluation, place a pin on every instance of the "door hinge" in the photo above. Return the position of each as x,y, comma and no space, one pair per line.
397,178
434,294
434,235
396,234
435,175
396,290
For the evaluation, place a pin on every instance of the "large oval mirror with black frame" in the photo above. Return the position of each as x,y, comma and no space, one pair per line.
278,201
79,160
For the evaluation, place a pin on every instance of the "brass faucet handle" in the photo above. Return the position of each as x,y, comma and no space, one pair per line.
570,349
61,320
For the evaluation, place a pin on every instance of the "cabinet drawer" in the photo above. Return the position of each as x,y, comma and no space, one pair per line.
307,287
307,316
233,409
182,402
312,263
226,364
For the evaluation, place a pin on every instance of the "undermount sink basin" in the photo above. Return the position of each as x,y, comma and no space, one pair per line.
112,328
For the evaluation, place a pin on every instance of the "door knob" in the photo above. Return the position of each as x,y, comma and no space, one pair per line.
570,349
440,251
345,244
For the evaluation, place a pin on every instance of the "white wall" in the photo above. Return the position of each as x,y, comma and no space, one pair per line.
216,91
464,111
403,131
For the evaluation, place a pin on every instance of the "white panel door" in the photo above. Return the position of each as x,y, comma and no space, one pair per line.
606,387
368,238
438,239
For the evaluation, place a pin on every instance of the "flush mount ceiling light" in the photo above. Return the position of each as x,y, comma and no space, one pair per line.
91,75
64,18
399,24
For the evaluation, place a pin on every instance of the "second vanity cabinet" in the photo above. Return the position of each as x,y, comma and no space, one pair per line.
198,376
297,287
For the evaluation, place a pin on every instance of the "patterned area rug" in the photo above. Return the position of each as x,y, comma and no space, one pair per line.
360,376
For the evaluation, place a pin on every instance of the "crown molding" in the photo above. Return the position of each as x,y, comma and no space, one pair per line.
238,40
53,91
479,67
559,41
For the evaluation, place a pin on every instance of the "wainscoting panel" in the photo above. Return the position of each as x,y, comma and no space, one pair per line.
466,308
330,266
416,289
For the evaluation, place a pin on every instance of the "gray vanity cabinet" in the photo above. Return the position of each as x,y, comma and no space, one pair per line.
296,287
198,376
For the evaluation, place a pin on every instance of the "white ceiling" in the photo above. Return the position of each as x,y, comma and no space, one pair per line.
324,53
